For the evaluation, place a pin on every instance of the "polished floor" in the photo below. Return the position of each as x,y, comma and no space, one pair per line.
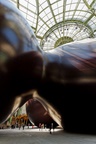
34,136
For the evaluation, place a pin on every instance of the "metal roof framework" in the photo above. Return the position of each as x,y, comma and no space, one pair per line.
55,20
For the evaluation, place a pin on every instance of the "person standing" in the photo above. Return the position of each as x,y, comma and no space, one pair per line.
23,125
28,125
45,126
39,126
19,126
50,129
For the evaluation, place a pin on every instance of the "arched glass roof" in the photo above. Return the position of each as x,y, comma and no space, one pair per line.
56,22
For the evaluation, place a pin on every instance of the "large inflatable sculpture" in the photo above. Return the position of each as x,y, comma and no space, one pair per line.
63,80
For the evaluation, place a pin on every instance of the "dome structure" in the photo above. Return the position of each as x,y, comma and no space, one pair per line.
58,22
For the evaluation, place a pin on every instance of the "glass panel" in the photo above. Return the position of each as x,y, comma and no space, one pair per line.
73,6
52,1
47,10
54,6
67,7
33,2
23,2
68,1
74,9
22,9
31,7
60,10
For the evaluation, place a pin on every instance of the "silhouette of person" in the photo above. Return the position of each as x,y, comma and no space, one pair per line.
50,129
39,126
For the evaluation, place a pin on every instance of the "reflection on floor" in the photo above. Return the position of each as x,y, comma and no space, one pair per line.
36,136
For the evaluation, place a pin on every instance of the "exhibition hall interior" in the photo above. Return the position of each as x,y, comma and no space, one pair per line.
48,68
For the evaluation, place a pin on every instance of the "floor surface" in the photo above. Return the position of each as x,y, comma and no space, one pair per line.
34,136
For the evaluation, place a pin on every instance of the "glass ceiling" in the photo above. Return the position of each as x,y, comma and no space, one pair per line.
56,22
